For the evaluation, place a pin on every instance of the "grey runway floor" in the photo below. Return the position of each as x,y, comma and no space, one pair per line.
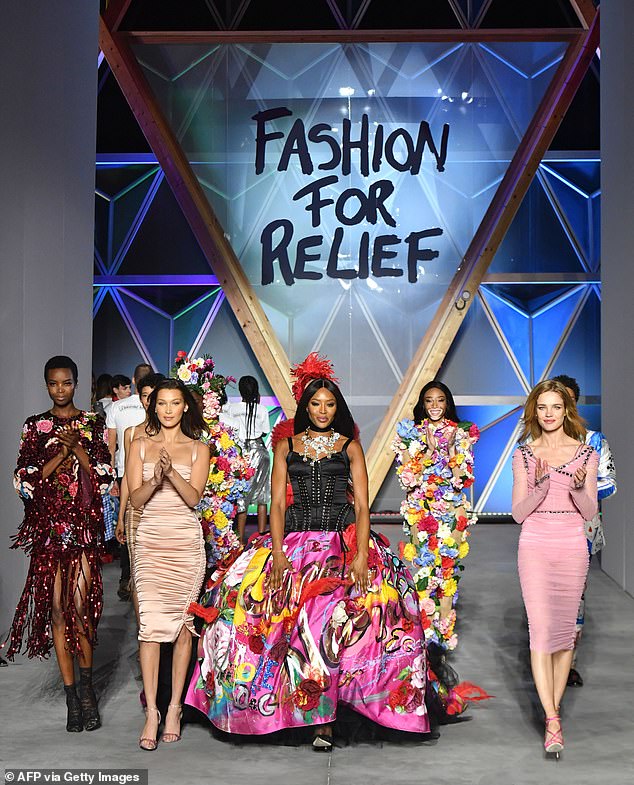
498,743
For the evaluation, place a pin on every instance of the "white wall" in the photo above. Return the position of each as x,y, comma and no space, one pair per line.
48,68
617,273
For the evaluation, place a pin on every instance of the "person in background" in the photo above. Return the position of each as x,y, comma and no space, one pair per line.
121,387
128,520
103,394
554,493
121,415
606,486
251,419
63,469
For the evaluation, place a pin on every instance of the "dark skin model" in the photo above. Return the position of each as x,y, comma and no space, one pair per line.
321,409
60,386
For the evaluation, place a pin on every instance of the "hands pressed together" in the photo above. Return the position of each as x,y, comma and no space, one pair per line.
69,437
163,467
542,468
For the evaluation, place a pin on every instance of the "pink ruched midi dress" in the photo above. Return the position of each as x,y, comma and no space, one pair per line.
553,550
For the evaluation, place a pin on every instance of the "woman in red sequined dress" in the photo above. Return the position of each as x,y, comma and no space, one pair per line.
63,470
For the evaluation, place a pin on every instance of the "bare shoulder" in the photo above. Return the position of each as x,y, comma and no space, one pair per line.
202,450
355,450
281,449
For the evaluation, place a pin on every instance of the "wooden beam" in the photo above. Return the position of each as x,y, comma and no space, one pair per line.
541,278
585,11
508,197
347,36
199,214
114,13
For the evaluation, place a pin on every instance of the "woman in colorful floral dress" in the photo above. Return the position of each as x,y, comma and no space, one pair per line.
318,613
435,457
63,470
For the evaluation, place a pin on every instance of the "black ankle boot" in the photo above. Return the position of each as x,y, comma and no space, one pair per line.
89,709
74,719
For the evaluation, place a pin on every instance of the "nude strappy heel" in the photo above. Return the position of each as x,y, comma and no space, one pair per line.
147,743
171,738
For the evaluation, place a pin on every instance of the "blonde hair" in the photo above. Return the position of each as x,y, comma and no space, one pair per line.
574,424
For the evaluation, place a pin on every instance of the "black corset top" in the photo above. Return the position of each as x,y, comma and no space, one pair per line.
319,492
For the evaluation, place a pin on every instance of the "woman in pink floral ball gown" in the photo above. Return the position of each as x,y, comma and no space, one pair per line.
319,613
63,470
554,492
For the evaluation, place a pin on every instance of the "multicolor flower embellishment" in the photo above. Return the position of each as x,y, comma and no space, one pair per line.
229,472
436,514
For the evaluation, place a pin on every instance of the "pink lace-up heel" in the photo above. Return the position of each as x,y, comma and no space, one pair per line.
553,739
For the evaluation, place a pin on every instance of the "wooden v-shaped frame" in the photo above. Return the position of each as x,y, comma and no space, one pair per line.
224,263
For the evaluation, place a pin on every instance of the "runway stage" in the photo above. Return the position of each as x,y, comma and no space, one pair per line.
497,743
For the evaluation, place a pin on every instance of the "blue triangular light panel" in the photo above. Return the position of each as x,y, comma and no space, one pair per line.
489,448
548,326
581,354
574,206
515,325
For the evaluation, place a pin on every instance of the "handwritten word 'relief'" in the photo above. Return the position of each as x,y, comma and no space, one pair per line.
371,151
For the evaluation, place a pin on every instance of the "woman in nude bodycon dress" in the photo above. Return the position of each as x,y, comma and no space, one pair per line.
166,474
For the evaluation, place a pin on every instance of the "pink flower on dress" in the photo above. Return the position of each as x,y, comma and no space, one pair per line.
44,426
408,478
73,488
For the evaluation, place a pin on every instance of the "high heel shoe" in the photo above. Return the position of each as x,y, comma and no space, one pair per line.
322,742
553,739
171,738
74,719
147,743
89,709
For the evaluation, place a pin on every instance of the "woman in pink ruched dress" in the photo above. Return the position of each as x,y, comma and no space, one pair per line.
167,472
554,492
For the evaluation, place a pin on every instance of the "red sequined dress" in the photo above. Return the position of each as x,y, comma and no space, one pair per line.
62,531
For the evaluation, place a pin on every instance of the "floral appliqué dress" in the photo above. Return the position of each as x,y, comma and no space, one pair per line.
62,531
436,515
283,659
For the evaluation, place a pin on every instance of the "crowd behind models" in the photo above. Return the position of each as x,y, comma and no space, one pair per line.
289,618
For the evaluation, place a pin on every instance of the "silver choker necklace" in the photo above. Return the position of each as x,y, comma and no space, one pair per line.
319,446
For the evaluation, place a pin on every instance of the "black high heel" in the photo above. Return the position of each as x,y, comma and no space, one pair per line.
74,718
88,699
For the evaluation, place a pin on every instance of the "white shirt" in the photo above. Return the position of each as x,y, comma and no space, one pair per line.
238,415
121,415
106,403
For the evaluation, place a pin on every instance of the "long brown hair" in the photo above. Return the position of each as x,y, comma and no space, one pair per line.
192,423
574,424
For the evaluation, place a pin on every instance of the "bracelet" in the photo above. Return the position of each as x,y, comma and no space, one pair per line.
579,485
277,551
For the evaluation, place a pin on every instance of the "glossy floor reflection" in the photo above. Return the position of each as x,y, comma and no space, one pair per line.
499,743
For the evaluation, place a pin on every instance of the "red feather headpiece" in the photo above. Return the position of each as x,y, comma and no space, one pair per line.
313,367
